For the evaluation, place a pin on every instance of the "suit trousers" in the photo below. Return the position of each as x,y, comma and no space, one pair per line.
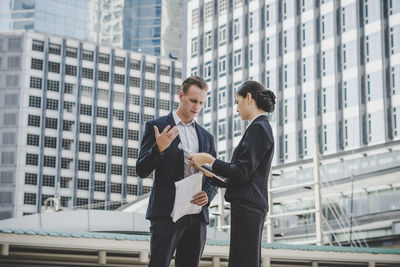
187,236
247,222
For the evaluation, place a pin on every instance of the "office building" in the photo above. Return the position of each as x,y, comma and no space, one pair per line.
71,117
150,27
334,67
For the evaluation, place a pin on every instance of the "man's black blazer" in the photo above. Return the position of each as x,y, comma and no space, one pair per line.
247,173
169,167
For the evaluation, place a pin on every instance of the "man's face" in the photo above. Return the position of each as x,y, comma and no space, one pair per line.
192,102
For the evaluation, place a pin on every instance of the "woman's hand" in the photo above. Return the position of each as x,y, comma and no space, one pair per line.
200,159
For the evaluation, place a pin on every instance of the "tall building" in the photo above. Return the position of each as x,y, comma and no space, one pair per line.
334,67
143,26
71,117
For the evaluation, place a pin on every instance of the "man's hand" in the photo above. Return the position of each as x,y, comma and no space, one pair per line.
200,199
165,138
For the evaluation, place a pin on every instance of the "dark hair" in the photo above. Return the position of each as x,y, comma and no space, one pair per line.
265,99
194,80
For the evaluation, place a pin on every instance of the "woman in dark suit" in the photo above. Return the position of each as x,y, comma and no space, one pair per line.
247,174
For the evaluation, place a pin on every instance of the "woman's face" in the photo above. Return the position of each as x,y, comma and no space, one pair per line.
242,107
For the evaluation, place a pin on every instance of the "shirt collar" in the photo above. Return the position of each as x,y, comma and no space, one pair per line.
178,120
256,118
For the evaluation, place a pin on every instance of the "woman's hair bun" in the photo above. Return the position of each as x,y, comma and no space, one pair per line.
266,100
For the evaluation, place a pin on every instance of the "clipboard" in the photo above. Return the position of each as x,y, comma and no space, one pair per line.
206,168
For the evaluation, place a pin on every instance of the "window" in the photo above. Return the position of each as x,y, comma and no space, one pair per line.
13,62
31,178
237,126
53,85
131,171
87,73
32,140
165,70
104,58
116,151
66,144
101,130
149,84
35,101
119,79
222,34
236,29
118,114
133,153
119,62
36,82
85,127
146,189
221,129
207,70
117,132
87,55
50,142
48,180
149,102
103,76
9,138
195,17
164,104
133,135
54,67
207,41
102,112
32,159
51,104
131,189
68,106
64,182
14,43
83,165
36,64
221,97
237,61
84,146
8,157
71,52
164,87
135,64
133,117
134,99
68,88
148,117
37,45
34,120
195,46
100,167
29,198
49,161
116,169
222,66
134,81
99,186
82,202
86,110
150,67
54,49
51,123
83,184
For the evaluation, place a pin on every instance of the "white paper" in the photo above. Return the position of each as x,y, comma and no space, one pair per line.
186,189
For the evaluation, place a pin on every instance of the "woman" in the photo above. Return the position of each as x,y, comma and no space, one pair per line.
247,174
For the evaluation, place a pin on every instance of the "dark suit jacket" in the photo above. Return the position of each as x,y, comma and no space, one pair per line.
250,165
169,167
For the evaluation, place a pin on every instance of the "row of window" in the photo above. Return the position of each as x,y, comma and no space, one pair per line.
103,58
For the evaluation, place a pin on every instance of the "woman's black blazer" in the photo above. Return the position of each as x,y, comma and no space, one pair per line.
247,173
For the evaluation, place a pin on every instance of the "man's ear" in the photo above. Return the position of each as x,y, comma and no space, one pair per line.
181,93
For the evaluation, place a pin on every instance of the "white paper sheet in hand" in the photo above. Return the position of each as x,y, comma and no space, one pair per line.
185,190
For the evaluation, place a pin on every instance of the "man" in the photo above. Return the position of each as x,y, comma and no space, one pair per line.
159,151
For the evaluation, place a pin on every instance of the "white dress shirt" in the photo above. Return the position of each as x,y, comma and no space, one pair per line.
189,140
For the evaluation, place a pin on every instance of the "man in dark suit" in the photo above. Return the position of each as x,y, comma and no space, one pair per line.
159,152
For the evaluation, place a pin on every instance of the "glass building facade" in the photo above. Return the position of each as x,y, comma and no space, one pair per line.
142,26
334,66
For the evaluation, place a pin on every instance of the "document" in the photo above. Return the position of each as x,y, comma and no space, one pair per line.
206,167
185,190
